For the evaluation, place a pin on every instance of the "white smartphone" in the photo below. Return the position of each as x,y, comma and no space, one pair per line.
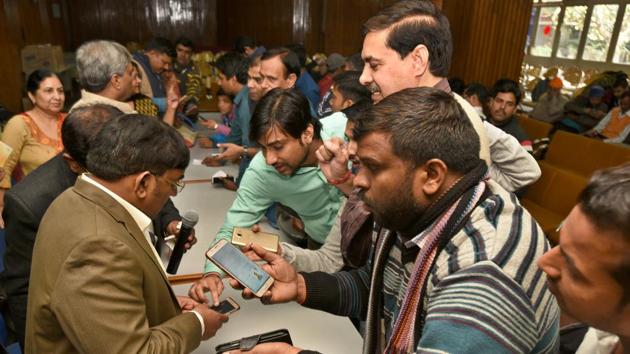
232,261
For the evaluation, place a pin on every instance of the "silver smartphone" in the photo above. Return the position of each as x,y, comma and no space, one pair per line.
232,261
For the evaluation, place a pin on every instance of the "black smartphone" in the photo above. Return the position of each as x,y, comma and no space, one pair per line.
227,306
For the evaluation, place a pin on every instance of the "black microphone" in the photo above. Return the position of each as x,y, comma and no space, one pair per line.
189,220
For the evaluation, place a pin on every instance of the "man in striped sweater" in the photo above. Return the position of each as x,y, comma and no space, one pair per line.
453,265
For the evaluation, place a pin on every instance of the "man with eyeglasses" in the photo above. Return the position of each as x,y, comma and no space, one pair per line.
28,200
97,284
506,95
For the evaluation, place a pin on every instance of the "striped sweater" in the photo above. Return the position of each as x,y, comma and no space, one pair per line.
485,293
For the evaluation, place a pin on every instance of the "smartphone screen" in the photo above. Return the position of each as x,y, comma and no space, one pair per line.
239,266
225,307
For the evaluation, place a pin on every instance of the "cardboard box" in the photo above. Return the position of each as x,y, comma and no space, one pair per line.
42,56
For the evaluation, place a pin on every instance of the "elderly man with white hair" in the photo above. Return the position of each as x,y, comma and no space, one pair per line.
106,75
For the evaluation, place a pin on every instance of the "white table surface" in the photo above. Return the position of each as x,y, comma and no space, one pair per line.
309,329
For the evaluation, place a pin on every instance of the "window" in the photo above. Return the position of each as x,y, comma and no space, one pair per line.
571,31
600,32
545,31
622,51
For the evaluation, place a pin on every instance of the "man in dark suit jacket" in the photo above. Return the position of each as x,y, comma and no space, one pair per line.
27,201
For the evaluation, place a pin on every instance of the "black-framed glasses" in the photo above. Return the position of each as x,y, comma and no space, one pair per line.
177,186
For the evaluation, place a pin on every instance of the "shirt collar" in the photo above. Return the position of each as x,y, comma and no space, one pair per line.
443,85
141,219
242,94
92,98
421,238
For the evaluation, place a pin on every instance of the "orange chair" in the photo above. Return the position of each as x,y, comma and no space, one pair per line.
584,155
535,129
551,198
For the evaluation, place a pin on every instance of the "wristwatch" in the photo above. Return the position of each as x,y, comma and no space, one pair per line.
244,154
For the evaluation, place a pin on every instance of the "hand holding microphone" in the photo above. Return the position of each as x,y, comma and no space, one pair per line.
189,220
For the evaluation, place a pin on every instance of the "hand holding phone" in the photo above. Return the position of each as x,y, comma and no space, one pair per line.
288,284
226,307
212,320
232,261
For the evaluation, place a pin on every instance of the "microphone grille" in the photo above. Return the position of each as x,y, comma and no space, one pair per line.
190,218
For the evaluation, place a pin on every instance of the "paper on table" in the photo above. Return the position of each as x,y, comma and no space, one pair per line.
197,162
5,152
219,174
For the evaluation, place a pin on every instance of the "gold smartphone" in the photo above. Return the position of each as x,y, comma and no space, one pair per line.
232,261
242,237
227,306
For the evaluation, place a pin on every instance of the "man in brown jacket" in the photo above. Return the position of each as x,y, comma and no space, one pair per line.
97,284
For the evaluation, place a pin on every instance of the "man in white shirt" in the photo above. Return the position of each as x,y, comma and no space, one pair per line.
97,284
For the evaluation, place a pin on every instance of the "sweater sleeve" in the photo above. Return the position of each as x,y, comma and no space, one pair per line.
483,310
15,135
622,136
512,166
327,258
341,293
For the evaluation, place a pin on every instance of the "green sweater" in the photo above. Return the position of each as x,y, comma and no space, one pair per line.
307,192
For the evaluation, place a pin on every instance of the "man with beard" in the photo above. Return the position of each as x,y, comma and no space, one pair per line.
453,268
286,172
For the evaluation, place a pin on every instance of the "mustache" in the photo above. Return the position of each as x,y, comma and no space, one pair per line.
364,199
374,88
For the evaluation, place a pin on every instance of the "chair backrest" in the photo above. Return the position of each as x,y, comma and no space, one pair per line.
557,189
535,129
584,155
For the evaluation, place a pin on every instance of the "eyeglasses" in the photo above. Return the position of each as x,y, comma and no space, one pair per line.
177,186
